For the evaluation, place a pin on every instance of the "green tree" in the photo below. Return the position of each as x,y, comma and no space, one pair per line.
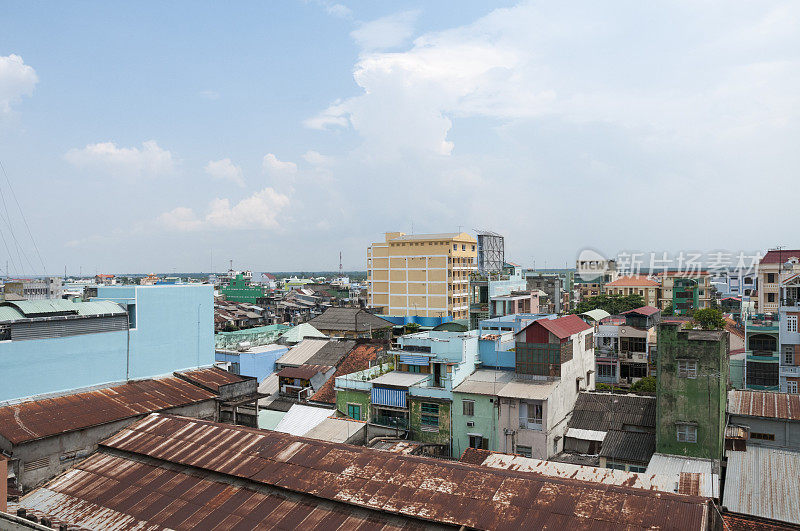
410,328
709,318
645,385
669,310
613,304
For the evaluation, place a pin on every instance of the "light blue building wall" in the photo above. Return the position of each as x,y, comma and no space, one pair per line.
258,363
173,330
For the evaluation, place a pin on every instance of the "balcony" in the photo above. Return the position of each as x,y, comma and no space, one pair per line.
790,370
763,322
400,423
361,380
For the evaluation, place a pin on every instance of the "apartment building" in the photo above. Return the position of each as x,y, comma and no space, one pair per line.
685,291
776,265
425,275
648,289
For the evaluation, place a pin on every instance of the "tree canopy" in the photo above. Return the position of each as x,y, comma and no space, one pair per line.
709,318
613,304
645,385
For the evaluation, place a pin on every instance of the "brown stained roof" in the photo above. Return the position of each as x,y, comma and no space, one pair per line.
563,327
412,486
344,319
36,419
108,491
304,372
744,522
210,378
358,360
764,404
474,456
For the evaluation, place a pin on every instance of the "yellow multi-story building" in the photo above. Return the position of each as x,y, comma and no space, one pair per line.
421,274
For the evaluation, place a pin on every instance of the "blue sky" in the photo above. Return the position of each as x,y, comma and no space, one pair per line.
140,137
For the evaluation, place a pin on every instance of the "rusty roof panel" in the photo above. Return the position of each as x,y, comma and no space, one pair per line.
35,419
210,378
178,500
401,484
764,404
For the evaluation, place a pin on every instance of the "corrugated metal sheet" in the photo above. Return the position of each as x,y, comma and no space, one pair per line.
36,419
764,482
112,492
586,435
484,382
382,396
336,430
417,487
764,404
408,359
300,419
628,446
64,327
210,377
673,466
9,313
562,327
301,353
528,390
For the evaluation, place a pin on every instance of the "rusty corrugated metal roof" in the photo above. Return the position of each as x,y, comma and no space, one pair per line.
764,404
35,419
419,487
210,378
115,492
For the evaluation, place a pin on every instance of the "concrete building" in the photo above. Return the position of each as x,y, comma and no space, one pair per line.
553,287
685,291
425,275
789,335
648,289
257,362
775,266
768,419
762,352
691,390
554,362
476,410
33,289
486,287
127,332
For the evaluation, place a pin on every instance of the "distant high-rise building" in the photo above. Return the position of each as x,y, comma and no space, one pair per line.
425,275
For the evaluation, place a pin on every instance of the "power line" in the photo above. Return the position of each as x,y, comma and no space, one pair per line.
24,220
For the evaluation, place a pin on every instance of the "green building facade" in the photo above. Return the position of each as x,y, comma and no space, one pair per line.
429,420
692,379
685,296
474,422
240,290
354,404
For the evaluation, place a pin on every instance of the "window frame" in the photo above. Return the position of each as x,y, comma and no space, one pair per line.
686,371
468,407
689,432
350,406
524,451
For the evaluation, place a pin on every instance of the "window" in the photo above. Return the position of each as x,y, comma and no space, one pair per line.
524,451
687,433
770,297
615,466
477,441
455,247
770,278
606,371
791,323
430,421
469,408
687,369
634,468
588,341
791,387
354,411
759,373
433,409
530,415
414,368
788,354
234,367
762,436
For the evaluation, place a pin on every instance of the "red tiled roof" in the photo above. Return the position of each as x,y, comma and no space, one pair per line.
634,281
644,310
357,360
779,257
563,327
36,419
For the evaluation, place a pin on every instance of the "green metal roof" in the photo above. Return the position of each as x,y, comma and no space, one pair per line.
7,313
98,307
43,306
597,314
297,333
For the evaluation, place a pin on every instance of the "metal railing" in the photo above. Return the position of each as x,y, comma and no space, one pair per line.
390,422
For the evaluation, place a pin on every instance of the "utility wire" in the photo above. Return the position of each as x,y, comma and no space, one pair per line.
24,220
7,220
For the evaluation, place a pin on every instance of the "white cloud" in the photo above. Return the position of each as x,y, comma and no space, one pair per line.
209,94
386,32
338,10
149,161
259,211
272,165
16,80
225,170
317,159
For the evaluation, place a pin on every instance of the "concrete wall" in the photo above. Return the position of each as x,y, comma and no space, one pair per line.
256,364
56,454
347,396
442,436
485,419
701,401
174,331
787,434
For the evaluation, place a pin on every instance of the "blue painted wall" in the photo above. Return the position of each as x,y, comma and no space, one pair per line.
174,331
256,364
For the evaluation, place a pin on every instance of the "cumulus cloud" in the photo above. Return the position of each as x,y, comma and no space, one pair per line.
271,164
386,32
16,80
149,161
316,158
259,211
225,170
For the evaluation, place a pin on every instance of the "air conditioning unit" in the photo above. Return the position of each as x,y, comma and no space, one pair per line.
470,424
